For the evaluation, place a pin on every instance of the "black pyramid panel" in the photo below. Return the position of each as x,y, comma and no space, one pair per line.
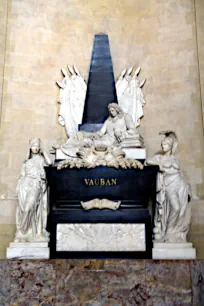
101,84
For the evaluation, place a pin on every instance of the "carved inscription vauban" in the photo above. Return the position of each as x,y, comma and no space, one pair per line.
100,182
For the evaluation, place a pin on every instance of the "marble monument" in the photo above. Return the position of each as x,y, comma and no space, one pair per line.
101,179
103,148
173,212
31,238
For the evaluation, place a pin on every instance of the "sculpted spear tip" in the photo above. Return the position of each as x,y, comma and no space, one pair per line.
142,83
60,84
71,70
137,71
130,70
64,72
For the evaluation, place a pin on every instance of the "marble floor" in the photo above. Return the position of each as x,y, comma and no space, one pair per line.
101,283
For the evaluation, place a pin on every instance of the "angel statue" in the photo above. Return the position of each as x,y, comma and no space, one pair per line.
172,215
130,96
71,98
32,209
73,92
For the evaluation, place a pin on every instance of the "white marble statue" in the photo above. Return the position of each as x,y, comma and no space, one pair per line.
172,215
117,130
32,209
73,92
130,96
71,99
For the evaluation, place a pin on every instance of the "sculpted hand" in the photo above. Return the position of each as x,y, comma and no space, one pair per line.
43,152
161,168
54,148
118,135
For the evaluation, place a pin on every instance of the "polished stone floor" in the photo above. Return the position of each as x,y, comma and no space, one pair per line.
101,283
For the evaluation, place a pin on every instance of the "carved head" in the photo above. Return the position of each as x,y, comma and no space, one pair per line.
114,109
34,147
170,142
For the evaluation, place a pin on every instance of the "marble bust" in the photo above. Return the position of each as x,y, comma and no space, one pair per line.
172,215
117,131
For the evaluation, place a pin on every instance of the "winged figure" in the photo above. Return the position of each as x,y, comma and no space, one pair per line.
73,92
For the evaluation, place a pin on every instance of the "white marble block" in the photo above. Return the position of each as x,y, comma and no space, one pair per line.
61,155
101,237
173,251
135,153
28,250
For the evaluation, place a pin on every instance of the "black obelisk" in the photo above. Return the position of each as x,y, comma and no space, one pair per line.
101,85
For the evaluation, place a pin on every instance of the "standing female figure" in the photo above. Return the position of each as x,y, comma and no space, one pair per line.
172,215
32,209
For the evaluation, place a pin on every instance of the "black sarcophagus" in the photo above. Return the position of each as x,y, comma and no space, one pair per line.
135,189
68,187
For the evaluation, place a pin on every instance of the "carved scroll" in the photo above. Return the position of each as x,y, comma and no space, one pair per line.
100,204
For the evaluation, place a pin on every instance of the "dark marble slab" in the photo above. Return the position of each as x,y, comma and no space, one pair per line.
4,282
90,127
168,301
101,283
197,278
32,282
101,84
168,283
132,186
79,264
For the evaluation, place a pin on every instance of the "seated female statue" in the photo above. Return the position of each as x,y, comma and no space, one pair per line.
32,209
172,215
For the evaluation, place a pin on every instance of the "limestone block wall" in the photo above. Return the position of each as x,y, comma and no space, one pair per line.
199,15
3,32
40,37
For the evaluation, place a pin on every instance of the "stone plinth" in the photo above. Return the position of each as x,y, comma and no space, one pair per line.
28,250
173,251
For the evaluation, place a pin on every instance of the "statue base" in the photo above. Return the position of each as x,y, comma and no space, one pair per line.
135,153
28,250
174,251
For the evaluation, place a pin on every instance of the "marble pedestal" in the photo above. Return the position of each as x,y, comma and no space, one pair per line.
173,251
28,250
135,153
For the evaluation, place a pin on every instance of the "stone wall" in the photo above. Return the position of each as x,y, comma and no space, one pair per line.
3,36
199,15
42,37
99,282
